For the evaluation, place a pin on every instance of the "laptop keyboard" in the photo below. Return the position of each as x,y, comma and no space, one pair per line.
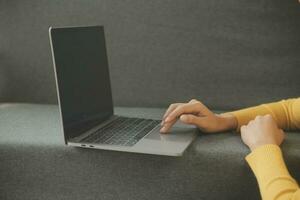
122,131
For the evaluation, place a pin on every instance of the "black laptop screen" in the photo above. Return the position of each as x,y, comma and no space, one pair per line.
82,77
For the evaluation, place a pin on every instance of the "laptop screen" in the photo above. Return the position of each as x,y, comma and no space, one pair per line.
82,77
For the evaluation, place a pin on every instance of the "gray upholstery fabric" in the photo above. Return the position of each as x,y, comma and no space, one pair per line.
35,164
229,54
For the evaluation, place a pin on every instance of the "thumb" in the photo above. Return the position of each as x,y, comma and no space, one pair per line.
190,119
282,137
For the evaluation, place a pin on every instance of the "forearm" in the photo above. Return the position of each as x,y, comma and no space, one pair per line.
286,113
274,180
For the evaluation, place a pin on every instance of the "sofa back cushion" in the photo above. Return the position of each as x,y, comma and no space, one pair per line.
229,54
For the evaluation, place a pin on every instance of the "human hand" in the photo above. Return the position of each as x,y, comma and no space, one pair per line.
196,113
261,131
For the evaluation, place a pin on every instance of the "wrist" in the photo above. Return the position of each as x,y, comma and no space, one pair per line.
229,121
255,146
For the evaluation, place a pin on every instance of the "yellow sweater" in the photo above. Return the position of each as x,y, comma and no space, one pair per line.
266,162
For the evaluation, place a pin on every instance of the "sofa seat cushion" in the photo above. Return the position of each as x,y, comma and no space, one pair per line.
36,164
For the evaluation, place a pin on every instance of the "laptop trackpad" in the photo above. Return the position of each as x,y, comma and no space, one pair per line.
178,133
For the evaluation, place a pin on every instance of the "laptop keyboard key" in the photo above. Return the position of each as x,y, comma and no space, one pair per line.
122,131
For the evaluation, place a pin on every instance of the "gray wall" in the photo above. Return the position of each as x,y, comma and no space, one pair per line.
229,53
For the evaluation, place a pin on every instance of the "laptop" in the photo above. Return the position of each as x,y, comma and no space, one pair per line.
86,104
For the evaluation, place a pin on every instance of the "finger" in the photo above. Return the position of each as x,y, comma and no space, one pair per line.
175,105
167,126
283,134
251,123
268,116
193,101
171,108
258,117
281,137
191,119
190,108
243,128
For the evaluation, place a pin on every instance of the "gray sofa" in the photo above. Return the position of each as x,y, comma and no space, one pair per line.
229,54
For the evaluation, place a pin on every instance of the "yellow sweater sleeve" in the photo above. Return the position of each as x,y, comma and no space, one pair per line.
273,178
267,163
286,113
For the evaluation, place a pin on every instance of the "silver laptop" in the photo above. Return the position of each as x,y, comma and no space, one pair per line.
86,105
